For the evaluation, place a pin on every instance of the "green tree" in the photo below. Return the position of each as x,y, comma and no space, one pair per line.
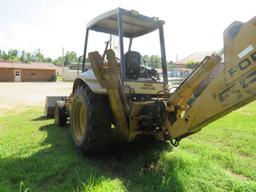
47,60
4,56
145,59
28,57
12,55
153,61
22,58
25,57
39,56
57,61
70,57
192,64
171,65
1,55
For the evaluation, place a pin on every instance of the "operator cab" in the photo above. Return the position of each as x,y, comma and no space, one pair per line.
137,70
131,35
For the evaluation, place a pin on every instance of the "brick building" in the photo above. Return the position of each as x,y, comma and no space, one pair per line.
18,72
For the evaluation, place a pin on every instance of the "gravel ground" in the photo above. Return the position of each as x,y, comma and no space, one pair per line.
20,95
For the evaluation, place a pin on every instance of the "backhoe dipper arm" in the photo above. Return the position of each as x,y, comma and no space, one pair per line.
232,88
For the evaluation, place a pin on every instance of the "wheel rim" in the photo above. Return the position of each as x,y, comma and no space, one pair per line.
79,120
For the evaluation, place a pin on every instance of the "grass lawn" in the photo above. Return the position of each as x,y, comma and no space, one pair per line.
35,155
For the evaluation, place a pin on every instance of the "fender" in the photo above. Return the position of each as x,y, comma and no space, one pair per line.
88,77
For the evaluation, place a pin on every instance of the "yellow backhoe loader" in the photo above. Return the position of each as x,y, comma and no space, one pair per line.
119,95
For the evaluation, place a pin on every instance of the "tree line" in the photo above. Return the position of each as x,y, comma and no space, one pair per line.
14,55
70,57
154,61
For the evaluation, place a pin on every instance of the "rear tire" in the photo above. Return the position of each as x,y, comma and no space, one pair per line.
60,114
90,120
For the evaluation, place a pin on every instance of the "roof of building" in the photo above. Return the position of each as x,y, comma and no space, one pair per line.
134,24
195,57
33,65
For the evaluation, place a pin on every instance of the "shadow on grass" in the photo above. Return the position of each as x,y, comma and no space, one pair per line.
41,118
59,166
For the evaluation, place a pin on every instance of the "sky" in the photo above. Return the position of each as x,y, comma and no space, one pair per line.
49,25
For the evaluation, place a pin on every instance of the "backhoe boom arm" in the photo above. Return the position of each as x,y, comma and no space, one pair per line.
232,88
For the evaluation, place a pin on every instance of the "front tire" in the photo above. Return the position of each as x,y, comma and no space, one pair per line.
90,120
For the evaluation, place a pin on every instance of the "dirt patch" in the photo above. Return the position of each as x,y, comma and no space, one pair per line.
236,175
16,96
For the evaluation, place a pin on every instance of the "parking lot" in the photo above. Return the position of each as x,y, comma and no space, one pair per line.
16,96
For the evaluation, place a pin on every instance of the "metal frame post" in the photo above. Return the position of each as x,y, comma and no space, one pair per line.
121,45
130,44
163,57
85,49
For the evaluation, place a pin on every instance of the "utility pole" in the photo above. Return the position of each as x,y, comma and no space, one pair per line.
62,61
177,58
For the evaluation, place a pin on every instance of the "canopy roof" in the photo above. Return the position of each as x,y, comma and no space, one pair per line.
134,24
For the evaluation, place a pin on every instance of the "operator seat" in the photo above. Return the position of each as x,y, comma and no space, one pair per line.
132,64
